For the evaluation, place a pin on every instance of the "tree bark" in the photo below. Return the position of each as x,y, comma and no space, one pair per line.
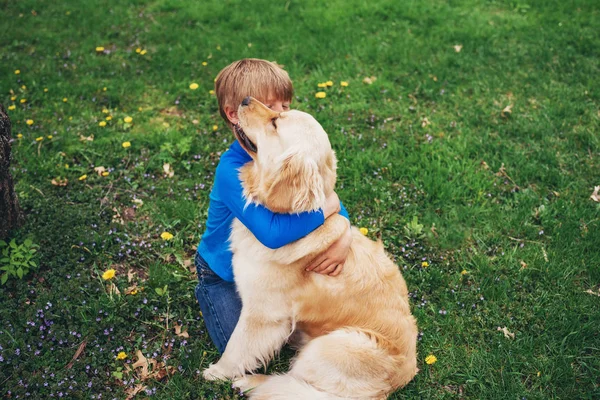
11,216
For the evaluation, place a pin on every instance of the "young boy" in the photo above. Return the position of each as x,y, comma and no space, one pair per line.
216,291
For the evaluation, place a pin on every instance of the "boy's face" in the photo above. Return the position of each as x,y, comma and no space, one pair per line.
273,104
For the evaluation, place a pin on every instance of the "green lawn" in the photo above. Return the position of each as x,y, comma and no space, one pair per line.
483,121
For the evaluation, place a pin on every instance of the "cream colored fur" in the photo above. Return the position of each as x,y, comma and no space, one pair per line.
359,337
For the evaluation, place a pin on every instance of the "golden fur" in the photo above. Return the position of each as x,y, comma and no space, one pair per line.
357,335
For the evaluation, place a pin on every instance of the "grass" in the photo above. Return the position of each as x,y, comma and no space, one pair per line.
512,236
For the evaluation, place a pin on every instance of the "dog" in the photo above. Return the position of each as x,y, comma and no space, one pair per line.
357,335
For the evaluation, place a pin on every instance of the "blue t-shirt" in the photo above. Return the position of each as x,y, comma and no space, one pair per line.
227,201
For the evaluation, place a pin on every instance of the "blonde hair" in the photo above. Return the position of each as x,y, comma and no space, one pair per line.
261,79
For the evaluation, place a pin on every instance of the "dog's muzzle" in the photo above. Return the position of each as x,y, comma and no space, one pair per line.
241,135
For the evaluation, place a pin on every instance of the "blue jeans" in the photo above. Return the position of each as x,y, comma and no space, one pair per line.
219,302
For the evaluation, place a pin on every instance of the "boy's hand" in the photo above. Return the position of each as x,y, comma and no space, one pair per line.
332,260
332,205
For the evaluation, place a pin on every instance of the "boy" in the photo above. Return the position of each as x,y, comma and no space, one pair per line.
216,292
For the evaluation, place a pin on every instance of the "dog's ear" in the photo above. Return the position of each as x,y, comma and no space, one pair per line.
328,172
298,186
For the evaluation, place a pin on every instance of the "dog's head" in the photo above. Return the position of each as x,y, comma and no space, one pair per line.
294,166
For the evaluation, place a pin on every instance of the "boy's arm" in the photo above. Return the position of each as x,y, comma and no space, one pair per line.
273,230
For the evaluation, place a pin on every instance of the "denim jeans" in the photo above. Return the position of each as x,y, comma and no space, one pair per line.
219,302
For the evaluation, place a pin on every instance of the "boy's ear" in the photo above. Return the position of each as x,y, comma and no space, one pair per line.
232,115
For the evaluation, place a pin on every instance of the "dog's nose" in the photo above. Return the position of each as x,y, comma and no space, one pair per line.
246,101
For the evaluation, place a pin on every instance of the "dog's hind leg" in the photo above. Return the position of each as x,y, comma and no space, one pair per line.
286,387
254,342
349,363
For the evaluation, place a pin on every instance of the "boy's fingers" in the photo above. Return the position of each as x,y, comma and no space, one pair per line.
324,265
328,269
315,263
337,270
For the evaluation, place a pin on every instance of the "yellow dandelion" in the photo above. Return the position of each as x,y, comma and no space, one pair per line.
166,124
45,90
102,123
23,87
13,98
105,111
320,95
133,292
66,166
204,63
211,92
109,118
215,127
430,359
425,264
194,86
12,107
138,50
83,177
166,236
218,47
104,89
105,173
39,138
126,144
343,83
329,83
23,101
364,231
99,49
127,120
19,135
70,118
463,272
122,355
49,136
539,374
29,122
17,71
322,84
109,274
65,99
143,52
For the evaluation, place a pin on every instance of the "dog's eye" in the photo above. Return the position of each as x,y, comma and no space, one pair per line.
274,123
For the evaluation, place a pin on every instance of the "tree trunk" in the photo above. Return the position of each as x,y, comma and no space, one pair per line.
11,216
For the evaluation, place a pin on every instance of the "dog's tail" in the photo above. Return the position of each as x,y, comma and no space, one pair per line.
287,387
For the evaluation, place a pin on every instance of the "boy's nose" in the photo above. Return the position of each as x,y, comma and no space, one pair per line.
246,101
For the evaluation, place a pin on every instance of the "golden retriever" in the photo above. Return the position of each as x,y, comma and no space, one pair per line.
358,335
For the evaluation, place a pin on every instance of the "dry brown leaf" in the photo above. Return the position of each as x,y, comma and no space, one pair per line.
369,80
162,371
133,391
507,110
129,213
485,165
144,363
458,48
117,216
179,333
523,264
86,138
60,182
133,289
113,289
168,171
130,275
590,291
77,353
507,334
100,170
425,122
595,196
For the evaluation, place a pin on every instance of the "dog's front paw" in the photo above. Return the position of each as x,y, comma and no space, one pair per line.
215,373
